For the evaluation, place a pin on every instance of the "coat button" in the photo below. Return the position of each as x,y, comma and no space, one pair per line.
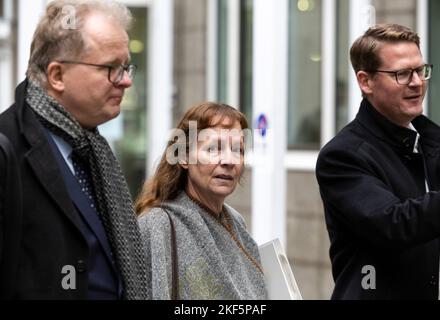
81,266
433,282
407,142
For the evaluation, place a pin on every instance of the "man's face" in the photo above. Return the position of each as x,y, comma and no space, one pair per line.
399,103
88,95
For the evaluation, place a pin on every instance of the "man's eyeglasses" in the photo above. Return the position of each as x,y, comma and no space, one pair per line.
405,76
115,72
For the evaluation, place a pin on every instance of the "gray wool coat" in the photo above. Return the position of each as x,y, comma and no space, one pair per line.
211,264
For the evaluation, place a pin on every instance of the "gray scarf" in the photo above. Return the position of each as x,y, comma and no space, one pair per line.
212,264
112,196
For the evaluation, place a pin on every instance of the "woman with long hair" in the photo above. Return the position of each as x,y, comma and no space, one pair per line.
197,246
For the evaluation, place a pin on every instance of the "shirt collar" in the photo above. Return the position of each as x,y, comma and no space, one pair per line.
64,148
379,126
416,142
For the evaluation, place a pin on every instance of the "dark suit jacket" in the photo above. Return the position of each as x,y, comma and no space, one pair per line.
51,225
377,210
10,218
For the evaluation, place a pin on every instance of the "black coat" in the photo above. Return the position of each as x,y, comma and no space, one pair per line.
10,218
377,210
50,228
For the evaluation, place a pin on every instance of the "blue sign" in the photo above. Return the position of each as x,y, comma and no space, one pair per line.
262,125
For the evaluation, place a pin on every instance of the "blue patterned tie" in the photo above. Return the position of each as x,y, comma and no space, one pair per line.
82,174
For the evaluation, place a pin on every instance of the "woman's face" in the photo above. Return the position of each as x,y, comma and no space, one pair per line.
220,162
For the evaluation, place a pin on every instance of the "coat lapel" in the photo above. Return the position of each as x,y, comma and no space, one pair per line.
40,158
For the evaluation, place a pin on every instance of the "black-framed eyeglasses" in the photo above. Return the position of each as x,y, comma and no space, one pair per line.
115,72
405,76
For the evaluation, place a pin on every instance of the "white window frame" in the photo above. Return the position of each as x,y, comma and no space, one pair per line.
233,38
423,26
211,50
423,31
6,59
160,79
270,96
305,161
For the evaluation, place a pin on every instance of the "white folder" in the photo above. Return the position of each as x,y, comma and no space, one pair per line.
280,281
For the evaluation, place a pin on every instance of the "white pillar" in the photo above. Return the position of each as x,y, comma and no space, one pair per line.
423,26
6,87
211,50
328,83
270,99
29,14
423,31
160,79
362,16
233,53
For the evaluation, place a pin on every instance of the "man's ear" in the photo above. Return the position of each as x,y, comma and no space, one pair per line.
364,80
55,77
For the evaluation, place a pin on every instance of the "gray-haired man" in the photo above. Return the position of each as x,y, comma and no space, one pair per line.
80,239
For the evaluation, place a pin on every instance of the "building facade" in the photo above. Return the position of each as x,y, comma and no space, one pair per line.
286,60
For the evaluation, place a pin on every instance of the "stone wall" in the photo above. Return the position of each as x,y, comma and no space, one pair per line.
190,54
396,11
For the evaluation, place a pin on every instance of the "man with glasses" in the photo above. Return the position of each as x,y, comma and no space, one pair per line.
379,177
79,238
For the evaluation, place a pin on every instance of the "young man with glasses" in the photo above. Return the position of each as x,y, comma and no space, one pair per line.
379,177
79,235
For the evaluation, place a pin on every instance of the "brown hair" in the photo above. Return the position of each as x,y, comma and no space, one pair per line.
170,179
54,39
364,52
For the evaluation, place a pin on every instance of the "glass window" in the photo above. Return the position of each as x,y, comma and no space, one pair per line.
245,51
343,64
304,114
127,134
222,51
246,57
434,54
